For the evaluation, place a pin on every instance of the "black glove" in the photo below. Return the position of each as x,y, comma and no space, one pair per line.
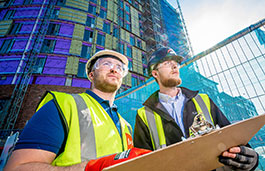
247,159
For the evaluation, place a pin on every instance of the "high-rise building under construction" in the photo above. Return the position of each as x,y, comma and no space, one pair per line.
44,45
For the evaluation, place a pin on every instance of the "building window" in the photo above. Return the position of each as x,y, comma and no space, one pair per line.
85,52
53,29
6,46
81,70
106,27
121,4
136,4
127,8
128,26
130,66
27,2
38,67
141,81
103,13
139,43
141,33
132,40
101,39
55,13
95,1
92,9
60,2
3,104
15,28
129,51
140,16
104,3
90,21
145,71
127,17
88,36
121,22
144,60
134,81
115,31
48,46
122,48
9,15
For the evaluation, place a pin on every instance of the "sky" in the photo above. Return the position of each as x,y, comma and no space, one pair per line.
211,21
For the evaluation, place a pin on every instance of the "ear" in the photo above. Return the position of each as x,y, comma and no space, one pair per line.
91,75
154,73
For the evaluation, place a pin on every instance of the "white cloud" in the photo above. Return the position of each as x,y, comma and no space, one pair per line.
209,22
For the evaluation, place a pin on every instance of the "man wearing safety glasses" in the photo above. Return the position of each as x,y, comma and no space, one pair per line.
79,131
174,113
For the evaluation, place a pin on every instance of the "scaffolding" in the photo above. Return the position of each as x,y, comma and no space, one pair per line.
27,63
236,88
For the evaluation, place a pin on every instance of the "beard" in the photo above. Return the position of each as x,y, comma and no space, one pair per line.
171,82
101,84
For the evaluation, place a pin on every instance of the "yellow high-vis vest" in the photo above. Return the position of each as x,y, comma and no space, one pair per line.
153,120
91,133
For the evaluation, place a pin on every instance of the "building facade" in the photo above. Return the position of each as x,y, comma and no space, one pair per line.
45,44
175,35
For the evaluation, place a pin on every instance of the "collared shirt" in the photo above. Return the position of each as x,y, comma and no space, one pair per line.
174,106
111,110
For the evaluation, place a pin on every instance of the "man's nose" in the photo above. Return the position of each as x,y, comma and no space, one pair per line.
174,66
113,70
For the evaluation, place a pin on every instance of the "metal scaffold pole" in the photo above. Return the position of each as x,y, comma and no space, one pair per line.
185,28
27,63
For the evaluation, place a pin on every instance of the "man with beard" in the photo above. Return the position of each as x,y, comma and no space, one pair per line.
169,113
79,131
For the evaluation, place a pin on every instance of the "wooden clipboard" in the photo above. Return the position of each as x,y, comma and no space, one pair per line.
200,153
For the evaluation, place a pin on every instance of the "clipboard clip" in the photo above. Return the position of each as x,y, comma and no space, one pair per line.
201,126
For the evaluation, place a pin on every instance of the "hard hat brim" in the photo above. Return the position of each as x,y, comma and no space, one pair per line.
104,53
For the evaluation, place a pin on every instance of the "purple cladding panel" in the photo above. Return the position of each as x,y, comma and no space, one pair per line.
66,30
26,13
55,65
50,80
37,1
1,41
26,28
84,83
8,66
2,14
18,2
6,80
62,46
19,45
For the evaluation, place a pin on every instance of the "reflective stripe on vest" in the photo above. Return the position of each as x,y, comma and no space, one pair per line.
154,123
92,133
202,104
86,126
157,134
